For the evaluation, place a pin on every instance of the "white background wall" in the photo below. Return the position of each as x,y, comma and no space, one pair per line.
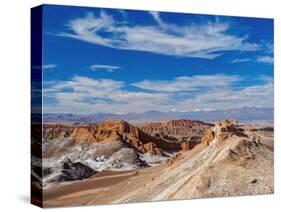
15,101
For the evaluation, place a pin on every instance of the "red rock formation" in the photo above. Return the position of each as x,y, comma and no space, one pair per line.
110,131
207,137
187,133
183,123
52,131
152,148
170,130
83,134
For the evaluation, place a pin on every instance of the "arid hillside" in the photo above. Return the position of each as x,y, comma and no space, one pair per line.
77,151
230,160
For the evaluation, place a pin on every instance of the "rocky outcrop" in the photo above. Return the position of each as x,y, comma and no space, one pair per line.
84,134
52,131
208,136
226,128
126,156
75,171
184,123
151,147
134,137
110,131
187,132
221,131
175,128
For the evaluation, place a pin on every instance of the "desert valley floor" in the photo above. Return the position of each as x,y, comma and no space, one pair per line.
117,162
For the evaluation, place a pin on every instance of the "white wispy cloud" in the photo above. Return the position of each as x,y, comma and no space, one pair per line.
241,60
107,68
88,95
158,20
85,86
45,66
206,40
265,59
97,95
186,83
265,78
252,96
49,66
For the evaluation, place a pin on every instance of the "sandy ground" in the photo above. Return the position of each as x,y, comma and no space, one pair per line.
201,172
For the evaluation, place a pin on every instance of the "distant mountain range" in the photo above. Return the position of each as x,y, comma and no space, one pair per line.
244,114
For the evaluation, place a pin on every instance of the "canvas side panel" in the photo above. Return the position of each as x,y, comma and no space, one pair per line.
36,106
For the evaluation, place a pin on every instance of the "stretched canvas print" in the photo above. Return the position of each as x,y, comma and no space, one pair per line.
135,106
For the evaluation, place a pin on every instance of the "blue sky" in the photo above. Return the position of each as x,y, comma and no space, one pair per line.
120,61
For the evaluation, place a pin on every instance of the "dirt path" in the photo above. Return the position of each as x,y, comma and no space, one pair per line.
96,182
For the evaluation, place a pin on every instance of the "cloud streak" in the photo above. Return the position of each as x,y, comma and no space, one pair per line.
208,40
107,68
49,66
45,66
186,83
88,95
266,59
241,60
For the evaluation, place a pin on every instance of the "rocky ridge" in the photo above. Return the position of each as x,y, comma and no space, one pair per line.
229,163
112,130
109,145
187,132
